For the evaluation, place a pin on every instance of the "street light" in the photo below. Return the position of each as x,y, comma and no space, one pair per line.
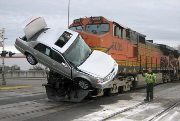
68,11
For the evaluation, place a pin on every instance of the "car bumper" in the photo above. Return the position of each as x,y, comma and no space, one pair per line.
104,85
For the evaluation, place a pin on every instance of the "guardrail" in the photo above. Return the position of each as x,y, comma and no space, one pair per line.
25,74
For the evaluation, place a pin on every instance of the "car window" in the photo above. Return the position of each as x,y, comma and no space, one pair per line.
56,56
63,39
43,49
47,51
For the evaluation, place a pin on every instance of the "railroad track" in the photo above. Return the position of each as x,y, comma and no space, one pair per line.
36,108
122,111
31,109
161,113
154,117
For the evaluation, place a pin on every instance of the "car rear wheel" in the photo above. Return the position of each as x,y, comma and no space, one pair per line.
31,59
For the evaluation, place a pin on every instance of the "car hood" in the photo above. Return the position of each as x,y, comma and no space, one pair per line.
98,64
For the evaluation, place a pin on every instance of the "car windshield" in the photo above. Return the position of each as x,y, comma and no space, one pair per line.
78,52
97,28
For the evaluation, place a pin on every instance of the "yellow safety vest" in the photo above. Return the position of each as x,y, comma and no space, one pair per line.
150,78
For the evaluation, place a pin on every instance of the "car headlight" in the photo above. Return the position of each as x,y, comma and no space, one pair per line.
110,75
100,80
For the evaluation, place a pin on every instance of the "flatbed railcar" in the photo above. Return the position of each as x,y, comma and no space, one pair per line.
133,53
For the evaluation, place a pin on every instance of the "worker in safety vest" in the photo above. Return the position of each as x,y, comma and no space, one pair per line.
150,79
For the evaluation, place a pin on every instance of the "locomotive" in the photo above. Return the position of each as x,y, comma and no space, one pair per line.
130,49
133,53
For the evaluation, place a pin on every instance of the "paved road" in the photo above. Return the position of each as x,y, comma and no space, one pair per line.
31,104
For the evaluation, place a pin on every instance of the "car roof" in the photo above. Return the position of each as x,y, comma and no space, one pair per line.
50,36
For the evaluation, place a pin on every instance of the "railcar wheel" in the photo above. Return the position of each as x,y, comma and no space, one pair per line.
31,59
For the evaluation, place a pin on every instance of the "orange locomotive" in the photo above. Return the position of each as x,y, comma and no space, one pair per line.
129,48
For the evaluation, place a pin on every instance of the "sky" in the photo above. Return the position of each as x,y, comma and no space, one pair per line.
159,20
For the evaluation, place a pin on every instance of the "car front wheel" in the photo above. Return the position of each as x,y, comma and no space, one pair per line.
31,59
83,84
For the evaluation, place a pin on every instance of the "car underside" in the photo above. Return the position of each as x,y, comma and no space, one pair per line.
60,88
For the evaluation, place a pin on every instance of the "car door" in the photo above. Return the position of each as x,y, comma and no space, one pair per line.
59,64
42,53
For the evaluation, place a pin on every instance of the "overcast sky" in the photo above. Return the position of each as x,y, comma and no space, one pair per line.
157,19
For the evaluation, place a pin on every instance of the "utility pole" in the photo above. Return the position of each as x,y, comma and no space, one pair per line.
68,11
3,69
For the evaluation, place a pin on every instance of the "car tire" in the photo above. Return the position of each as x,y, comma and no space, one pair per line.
31,59
84,84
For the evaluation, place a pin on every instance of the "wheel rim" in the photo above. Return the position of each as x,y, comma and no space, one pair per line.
31,59
83,84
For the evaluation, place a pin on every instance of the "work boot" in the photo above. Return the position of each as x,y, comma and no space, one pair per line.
146,100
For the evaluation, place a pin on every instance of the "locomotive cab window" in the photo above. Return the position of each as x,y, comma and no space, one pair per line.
76,28
97,28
